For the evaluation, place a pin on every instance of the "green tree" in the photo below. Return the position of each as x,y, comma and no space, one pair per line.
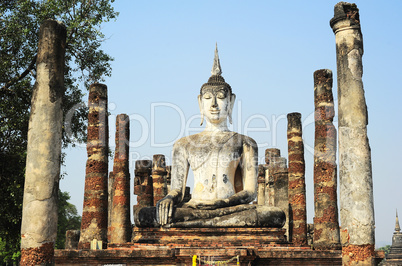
68,218
85,63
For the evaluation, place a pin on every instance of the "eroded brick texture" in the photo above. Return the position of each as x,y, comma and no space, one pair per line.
95,212
326,225
120,224
143,186
158,177
43,255
297,186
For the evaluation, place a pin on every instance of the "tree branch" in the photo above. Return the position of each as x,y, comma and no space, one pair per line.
23,75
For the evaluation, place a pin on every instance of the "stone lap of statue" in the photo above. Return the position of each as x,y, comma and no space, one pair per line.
224,164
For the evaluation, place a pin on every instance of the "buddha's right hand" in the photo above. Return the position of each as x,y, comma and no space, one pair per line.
164,210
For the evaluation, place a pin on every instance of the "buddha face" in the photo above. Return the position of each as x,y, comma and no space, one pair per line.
216,104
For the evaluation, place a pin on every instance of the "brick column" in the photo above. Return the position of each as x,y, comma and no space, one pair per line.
297,186
355,175
158,177
120,229
39,212
95,211
143,185
326,226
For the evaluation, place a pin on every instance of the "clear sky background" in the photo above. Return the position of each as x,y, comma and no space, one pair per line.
268,50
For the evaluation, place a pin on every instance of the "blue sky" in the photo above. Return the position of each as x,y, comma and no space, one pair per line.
268,51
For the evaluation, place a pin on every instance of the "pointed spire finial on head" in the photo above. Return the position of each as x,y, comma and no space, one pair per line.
397,227
216,68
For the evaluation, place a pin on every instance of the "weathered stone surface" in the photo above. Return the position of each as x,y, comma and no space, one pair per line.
120,223
143,186
39,215
72,239
94,221
355,174
224,163
261,185
158,177
297,186
326,225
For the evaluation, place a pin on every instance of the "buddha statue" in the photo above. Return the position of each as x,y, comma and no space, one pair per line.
224,164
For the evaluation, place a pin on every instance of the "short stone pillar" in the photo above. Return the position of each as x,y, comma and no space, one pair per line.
168,179
120,223
95,211
143,185
281,196
355,174
72,239
39,213
297,186
326,225
270,154
261,185
158,177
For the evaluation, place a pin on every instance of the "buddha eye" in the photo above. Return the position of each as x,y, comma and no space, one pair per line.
221,95
207,95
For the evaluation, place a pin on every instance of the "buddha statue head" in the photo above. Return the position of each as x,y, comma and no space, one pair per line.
216,99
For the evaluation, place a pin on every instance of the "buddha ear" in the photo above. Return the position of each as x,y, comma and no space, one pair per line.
231,104
200,106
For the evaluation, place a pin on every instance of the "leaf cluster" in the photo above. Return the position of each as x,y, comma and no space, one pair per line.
85,63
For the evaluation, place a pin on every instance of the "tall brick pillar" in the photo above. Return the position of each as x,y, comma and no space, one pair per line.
355,174
143,185
158,177
120,223
95,211
39,212
326,225
297,186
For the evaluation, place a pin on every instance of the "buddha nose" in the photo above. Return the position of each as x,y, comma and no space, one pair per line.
214,102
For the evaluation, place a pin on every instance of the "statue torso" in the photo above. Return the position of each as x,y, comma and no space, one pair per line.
214,159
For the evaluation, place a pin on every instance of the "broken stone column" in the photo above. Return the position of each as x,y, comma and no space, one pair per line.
326,225
158,177
297,186
261,185
72,239
120,223
270,154
39,213
281,196
95,211
143,185
168,179
355,175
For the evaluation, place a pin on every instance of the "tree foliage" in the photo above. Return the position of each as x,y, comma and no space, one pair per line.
85,63
68,218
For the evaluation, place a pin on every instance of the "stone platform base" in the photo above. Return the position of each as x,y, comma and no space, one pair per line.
210,237
177,246
146,254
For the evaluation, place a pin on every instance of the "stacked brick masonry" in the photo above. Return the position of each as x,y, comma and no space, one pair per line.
326,225
143,186
158,177
95,210
120,224
297,186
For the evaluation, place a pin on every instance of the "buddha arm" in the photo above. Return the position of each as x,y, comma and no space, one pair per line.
180,167
249,163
